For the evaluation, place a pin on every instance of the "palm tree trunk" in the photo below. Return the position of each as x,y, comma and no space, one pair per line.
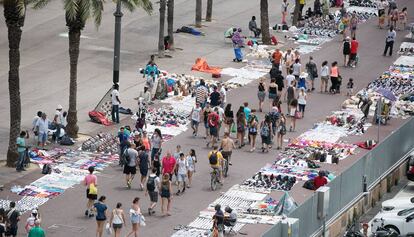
209,11
14,21
74,41
170,20
264,21
296,13
161,33
198,13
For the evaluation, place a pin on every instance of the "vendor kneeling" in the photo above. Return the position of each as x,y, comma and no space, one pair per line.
230,217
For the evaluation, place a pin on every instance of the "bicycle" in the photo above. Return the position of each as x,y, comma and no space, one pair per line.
215,179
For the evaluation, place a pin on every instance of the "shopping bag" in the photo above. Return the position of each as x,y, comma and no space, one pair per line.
233,128
108,229
298,115
92,189
142,221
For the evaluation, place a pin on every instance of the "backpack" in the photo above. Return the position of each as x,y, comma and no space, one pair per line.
282,128
309,185
213,158
125,157
140,123
46,169
66,141
264,131
151,184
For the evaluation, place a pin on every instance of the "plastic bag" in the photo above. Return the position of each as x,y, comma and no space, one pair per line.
233,128
108,229
142,221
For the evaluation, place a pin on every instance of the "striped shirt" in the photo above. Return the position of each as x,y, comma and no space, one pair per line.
201,94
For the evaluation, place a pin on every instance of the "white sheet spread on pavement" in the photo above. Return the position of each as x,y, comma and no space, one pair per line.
325,132
405,60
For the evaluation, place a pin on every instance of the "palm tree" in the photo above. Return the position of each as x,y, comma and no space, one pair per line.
170,20
77,12
14,14
296,12
198,13
264,21
209,11
161,33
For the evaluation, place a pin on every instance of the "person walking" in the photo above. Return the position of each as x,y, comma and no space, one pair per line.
156,143
191,160
37,231
30,222
273,88
290,96
91,182
213,124
354,52
115,103
354,24
389,41
168,165
226,147
297,69
130,168
166,198
152,190
42,127
281,131
237,45
381,5
201,94
241,126
206,112
215,97
117,219
324,76
261,93
334,77
252,128
284,10
101,214
195,118
22,150
228,118
276,59
312,71
135,217
182,170
144,164
402,19
13,218
266,133
346,50
279,82
289,60
293,108
302,98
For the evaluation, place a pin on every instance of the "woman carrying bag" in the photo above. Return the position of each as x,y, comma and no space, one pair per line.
117,219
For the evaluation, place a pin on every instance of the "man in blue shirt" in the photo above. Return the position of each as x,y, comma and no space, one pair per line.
21,149
247,110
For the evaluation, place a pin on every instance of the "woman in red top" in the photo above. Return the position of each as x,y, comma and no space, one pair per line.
88,180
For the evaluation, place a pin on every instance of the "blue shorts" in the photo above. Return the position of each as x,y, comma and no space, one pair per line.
194,123
42,137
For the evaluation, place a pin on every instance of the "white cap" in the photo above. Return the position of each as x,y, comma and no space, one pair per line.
59,107
34,211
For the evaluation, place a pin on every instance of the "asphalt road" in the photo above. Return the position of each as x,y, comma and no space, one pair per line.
44,71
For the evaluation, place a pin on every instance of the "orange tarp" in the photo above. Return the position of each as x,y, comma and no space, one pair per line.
202,66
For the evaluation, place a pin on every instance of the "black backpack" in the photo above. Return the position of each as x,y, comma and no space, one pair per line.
309,185
125,157
213,158
151,184
46,169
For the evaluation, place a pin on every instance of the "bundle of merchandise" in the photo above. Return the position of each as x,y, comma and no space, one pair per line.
242,76
102,142
399,80
238,199
259,65
320,26
350,118
261,52
324,132
25,204
406,48
364,13
341,150
273,178
363,3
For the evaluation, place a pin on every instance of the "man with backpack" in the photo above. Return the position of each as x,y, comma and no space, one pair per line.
130,156
215,159
152,190
13,217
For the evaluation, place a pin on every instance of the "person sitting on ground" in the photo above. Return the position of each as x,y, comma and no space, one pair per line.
145,95
253,27
229,33
309,13
320,180
230,217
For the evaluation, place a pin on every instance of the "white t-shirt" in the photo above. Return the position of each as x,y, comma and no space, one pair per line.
43,125
220,113
325,71
35,121
289,79
59,115
157,181
223,93
182,166
114,94
296,69
302,98
196,114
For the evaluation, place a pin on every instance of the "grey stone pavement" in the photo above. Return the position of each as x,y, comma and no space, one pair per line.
45,84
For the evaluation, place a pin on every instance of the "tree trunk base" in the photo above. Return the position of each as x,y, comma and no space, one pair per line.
72,128
12,157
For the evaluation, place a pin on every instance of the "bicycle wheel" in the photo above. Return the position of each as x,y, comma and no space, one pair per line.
213,183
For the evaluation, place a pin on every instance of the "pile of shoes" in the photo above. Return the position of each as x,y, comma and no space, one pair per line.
363,3
278,182
102,142
166,117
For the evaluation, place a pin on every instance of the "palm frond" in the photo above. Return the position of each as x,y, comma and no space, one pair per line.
71,8
84,11
97,9
131,5
38,4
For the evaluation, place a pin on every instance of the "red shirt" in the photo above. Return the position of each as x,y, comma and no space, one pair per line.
354,46
213,119
168,164
319,182
277,57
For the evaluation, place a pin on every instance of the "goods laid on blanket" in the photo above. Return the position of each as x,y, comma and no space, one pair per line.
363,3
407,48
68,168
351,119
102,142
